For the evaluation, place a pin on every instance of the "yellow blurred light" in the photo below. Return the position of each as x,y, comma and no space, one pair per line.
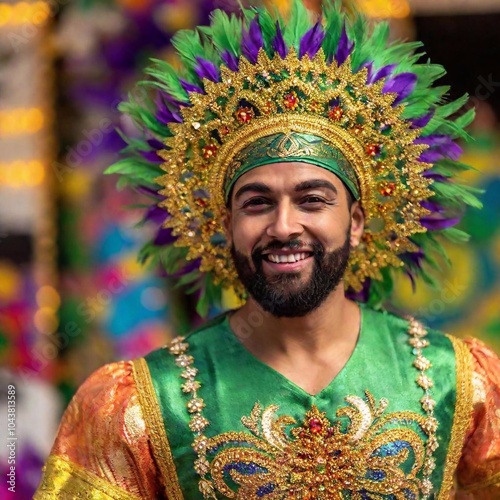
20,173
24,13
21,121
46,320
48,297
10,283
385,8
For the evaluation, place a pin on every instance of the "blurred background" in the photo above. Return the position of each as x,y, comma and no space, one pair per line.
72,294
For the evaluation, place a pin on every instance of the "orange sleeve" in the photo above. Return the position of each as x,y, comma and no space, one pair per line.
478,472
102,444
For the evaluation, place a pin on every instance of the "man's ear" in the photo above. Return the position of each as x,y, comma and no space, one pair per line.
357,224
226,224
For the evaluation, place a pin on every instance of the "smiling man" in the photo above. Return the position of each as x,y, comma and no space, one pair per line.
304,167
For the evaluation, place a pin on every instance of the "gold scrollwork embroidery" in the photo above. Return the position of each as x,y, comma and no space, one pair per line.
374,453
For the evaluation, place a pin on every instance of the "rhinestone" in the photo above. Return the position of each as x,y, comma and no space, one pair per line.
184,360
422,363
201,466
428,403
198,423
189,373
430,425
426,486
195,405
178,348
196,125
190,386
200,443
432,444
425,382
206,488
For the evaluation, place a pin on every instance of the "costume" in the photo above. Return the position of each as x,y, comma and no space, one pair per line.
202,417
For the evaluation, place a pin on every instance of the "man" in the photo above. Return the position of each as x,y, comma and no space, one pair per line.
301,164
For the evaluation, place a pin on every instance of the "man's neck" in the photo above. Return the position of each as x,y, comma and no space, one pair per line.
335,322
322,340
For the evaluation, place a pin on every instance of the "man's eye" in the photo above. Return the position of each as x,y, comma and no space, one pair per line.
314,199
255,202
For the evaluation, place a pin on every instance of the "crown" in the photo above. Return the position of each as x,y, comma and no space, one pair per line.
337,79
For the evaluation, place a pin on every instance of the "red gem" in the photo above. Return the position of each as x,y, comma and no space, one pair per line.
315,425
224,130
335,113
291,100
372,149
244,114
388,189
209,151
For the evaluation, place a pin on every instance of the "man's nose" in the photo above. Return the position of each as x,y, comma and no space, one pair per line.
285,224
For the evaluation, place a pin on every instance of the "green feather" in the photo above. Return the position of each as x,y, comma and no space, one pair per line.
188,45
298,24
333,28
167,79
225,32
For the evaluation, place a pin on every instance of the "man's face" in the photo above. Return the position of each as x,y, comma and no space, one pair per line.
291,231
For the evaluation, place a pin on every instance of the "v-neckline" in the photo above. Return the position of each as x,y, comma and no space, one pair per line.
296,388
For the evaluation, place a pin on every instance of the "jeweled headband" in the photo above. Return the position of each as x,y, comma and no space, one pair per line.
256,82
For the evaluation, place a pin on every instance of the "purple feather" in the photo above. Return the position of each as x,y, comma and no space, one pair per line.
148,192
432,206
402,84
423,120
411,275
440,146
369,67
156,215
344,48
164,237
164,114
363,295
279,44
156,144
207,69
252,41
436,224
383,72
151,156
230,60
311,42
190,87
429,174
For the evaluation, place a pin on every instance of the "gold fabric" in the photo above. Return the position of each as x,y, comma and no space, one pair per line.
103,432
156,429
103,447
478,472
64,480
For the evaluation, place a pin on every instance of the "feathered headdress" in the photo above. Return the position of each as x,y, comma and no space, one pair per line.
247,77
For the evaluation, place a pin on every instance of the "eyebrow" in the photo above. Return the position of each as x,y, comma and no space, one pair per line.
259,187
314,184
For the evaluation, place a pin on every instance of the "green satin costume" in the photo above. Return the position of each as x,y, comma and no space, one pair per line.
381,447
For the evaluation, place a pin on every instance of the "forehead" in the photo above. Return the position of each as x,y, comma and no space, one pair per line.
286,175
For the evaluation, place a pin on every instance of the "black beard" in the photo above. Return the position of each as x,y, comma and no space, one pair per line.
274,294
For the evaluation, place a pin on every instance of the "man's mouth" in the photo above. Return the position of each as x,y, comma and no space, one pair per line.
286,258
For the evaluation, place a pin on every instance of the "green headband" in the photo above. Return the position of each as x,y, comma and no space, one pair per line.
293,147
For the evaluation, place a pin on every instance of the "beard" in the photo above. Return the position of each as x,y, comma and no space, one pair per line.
284,294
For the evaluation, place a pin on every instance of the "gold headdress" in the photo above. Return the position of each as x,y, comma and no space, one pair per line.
337,80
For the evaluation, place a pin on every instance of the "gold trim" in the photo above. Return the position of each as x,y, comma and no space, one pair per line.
156,429
491,481
63,479
463,414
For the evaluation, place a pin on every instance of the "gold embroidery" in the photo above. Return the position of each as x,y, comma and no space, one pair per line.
321,460
156,429
463,414
64,480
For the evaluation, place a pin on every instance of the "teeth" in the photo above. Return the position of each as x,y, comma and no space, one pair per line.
286,258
